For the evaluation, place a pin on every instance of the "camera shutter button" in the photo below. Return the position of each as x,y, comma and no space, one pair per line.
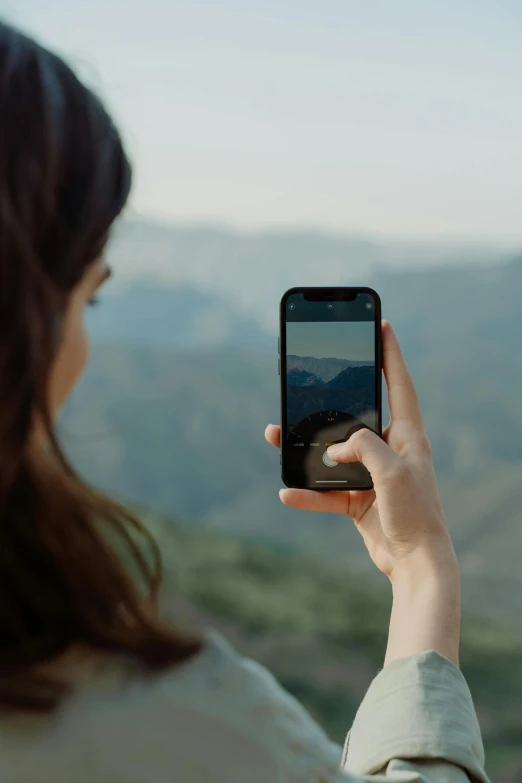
330,463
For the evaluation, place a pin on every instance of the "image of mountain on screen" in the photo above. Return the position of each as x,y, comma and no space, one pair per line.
297,377
324,369
335,384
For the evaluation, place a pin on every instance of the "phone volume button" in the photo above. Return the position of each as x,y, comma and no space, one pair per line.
279,366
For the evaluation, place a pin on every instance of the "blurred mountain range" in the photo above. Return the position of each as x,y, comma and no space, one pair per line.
183,380
252,269
149,313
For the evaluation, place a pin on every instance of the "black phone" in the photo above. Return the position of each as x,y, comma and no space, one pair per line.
330,363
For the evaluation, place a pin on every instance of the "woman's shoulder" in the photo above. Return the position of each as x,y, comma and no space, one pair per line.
230,706
217,716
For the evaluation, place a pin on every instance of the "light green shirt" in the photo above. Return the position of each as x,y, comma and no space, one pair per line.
223,719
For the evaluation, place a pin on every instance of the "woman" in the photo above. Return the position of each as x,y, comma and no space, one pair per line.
94,685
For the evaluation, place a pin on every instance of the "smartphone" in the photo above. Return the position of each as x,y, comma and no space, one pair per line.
330,363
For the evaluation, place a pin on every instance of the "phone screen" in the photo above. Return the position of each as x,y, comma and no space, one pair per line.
331,376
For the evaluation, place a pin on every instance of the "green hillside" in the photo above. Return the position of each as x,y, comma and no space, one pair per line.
322,631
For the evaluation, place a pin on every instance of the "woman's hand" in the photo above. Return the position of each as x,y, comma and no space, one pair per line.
401,520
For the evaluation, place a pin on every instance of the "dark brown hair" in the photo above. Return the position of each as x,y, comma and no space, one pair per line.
64,178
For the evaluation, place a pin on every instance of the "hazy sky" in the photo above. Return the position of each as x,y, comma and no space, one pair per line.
393,117
352,340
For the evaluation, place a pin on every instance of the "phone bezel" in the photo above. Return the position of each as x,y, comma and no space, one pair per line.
335,293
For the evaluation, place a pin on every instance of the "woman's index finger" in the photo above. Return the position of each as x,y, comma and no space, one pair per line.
402,397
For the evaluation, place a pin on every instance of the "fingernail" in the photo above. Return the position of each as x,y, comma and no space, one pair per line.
334,450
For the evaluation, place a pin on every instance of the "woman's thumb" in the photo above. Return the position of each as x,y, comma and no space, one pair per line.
367,447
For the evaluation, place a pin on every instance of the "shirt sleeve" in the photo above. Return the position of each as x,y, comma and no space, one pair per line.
417,723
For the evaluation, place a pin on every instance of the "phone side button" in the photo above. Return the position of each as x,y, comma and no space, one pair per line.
279,366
